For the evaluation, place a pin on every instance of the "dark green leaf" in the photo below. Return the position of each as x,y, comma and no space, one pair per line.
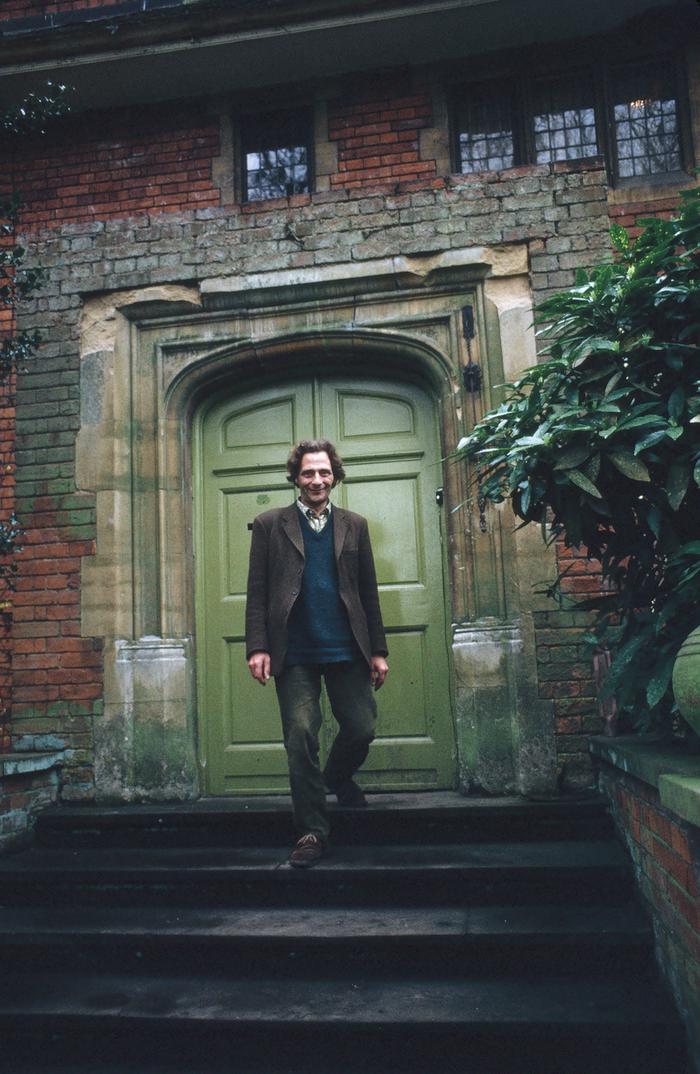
566,460
530,441
688,575
583,482
624,655
654,520
592,467
677,482
614,380
659,683
640,422
676,403
628,464
691,548
649,440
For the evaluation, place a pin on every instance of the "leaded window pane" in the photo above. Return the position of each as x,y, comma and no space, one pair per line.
563,120
276,150
645,117
485,121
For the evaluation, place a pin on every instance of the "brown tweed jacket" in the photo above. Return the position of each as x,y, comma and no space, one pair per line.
274,581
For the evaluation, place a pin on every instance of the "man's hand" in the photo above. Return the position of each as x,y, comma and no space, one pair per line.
259,666
378,672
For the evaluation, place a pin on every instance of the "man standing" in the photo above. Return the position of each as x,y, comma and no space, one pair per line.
313,613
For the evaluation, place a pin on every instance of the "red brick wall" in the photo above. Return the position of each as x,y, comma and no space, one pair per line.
51,661
7,504
21,796
629,213
377,133
565,667
132,161
154,160
666,853
26,9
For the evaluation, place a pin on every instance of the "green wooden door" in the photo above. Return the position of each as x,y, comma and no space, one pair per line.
386,434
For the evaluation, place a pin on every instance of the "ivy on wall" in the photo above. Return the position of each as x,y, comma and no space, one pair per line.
18,281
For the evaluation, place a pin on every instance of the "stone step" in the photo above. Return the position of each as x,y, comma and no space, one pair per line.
594,871
373,940
491,937
604,1023
442,816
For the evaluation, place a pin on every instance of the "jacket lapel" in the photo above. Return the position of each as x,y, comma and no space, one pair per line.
291,526
340,530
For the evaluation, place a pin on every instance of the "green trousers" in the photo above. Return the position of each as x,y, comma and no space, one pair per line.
352,703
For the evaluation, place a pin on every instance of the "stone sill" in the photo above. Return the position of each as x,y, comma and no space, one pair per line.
19,764
672,771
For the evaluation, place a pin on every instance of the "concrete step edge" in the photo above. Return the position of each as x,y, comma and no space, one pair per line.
474,1003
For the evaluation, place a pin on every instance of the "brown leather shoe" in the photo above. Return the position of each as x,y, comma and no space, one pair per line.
307,852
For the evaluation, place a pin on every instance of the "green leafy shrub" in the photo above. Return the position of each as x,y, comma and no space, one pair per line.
603,439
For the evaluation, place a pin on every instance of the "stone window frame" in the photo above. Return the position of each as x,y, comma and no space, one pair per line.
520,89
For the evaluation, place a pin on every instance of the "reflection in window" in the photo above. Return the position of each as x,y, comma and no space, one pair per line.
645,117
563,121
486,140
276,153
630,114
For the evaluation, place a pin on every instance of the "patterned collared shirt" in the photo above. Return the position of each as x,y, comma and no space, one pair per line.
317,522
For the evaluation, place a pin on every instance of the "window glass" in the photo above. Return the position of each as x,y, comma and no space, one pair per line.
645,119
563,120
486,137
276,154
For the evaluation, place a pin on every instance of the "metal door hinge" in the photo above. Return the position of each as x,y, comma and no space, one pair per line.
472,371
472,378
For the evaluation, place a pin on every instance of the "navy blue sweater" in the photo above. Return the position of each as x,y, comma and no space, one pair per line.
318,627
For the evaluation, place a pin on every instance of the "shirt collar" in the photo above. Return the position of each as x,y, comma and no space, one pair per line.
306,511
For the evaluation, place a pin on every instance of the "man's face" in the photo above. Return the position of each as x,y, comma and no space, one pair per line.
315,479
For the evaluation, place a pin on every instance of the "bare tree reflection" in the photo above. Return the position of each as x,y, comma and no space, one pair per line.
277,154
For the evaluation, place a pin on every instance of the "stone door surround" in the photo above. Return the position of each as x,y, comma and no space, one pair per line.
150,357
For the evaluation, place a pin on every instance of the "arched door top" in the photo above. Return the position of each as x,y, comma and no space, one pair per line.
245,363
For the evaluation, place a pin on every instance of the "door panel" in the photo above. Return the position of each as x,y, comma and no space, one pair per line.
361,416
386,434
392,504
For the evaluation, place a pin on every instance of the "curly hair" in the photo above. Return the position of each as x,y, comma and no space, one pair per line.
307,447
